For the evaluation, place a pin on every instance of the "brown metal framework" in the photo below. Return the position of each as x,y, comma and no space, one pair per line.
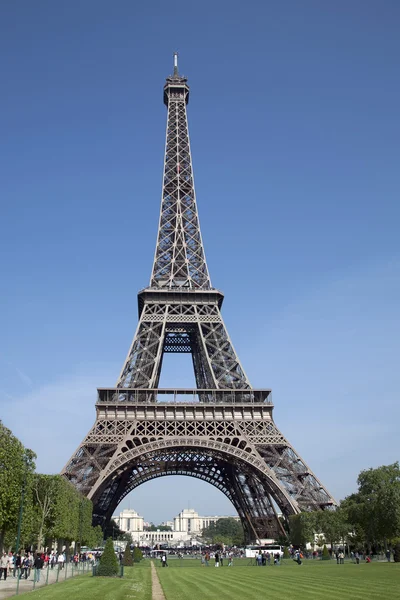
222,431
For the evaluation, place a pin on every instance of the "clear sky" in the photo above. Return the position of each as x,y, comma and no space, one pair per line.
295,132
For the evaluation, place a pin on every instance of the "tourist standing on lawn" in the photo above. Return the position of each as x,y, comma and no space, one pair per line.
216,559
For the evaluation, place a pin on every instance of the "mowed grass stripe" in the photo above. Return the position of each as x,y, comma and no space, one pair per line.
209,583
313,580
135,584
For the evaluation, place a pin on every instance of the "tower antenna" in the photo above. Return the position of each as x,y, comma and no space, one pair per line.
175,63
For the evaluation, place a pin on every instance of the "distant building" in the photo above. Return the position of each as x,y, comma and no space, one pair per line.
129,521
186,528
168,524
190,522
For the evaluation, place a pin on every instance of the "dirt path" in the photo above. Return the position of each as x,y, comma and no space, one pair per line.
157,591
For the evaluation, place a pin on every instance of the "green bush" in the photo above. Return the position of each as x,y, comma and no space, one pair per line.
396,553
137,554
109,566
286,552
325,553
128,558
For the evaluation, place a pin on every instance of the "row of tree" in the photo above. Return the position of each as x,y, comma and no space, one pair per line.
369,518
224,531
52,509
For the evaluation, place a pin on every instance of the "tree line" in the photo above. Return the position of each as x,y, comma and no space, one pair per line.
368,519
53,510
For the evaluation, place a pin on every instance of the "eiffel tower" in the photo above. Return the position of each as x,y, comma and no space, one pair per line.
222,431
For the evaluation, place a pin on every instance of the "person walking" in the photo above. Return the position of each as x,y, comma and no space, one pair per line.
11,559
17,565
4,565
297,557
24,567
38,564
216,559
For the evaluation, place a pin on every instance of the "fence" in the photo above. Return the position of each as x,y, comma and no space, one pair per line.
25,580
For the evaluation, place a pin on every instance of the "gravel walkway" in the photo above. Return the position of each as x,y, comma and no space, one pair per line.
157,591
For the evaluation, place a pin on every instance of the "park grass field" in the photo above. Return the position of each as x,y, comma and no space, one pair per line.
188,580
317,580
136,583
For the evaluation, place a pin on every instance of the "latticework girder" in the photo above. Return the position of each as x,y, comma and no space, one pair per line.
173,326
252,463
179,258
227,437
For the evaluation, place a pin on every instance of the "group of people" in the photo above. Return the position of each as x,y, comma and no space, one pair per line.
339,554
264,558
16,564
218,558
19,565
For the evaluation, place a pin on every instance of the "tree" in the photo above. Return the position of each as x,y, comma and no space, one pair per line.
16,468
325,553
96,538
396,553
375,508
137,554
44,493
108,566
112,530
302,528
153,527
225,531
128,558
333,525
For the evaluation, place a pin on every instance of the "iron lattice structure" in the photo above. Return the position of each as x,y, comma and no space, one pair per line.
223,431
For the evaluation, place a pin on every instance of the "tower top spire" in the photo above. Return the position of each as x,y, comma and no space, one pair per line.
176,84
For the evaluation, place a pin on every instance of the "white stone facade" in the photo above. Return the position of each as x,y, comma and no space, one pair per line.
128,520
186,528
190,522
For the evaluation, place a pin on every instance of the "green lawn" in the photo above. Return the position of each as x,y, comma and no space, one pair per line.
312,580
136,584
188,580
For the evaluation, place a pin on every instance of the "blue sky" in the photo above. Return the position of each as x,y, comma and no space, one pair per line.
295,136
